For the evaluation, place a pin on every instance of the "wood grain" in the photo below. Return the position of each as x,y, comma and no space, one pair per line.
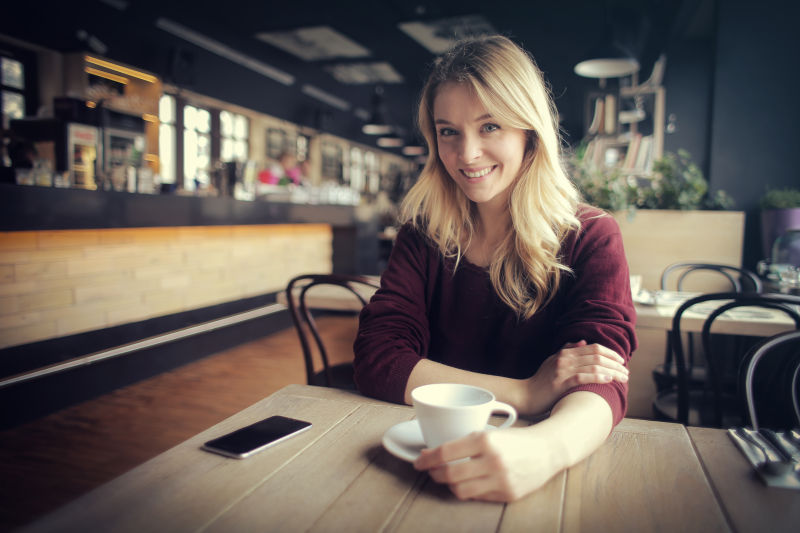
658,453
760,508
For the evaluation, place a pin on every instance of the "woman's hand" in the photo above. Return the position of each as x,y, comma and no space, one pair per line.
502,465
575,364
507,464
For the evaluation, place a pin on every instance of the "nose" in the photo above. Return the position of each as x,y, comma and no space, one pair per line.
470,147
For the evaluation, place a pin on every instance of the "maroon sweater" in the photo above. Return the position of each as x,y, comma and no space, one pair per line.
424,309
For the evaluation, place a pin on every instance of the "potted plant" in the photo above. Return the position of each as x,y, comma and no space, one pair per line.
665,217
780,212
676,183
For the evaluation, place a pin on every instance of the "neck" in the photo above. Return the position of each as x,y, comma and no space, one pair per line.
494,223
492,227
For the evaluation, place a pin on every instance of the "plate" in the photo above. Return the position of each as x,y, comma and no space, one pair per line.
404,440
645,297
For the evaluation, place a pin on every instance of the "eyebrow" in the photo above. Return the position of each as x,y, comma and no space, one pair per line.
478,119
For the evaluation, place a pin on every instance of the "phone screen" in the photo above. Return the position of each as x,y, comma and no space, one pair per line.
254,438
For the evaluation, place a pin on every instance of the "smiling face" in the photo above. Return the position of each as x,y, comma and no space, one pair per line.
481,155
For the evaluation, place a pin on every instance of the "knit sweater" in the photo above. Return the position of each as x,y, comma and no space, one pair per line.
426,308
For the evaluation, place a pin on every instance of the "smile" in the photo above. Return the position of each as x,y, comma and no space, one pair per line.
478,173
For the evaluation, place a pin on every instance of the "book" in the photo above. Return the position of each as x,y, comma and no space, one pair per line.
644,154
610,114
597,119
633,150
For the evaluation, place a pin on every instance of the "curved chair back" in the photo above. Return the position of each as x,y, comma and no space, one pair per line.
777,344
782,302
712,360
339,376
734,275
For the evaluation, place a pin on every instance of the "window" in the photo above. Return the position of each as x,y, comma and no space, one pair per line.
301,148
357,178
167,149
196,147
234,132
372,164
12,83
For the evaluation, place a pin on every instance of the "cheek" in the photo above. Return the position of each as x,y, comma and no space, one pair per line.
446,157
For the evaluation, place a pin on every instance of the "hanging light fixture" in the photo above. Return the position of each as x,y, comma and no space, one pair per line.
378,123
609,60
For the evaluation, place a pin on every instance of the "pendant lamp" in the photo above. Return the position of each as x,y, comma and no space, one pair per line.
609,60
378,123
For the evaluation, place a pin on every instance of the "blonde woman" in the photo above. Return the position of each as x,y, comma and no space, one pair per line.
500,278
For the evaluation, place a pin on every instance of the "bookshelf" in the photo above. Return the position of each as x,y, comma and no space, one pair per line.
625,129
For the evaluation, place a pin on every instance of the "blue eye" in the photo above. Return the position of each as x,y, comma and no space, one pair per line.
446,132
490,128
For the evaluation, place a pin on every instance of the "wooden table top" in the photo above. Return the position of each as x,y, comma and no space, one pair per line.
756,321
648,476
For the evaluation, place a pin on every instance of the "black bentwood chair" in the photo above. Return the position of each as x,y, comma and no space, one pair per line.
739,279
777,393
297,291
704,405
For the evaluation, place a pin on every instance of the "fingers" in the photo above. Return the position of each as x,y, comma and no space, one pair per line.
468,466
582,348
487,466
449,452
578,365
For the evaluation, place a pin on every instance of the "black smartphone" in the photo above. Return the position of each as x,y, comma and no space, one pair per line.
255,437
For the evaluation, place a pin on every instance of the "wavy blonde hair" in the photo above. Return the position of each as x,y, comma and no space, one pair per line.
525,269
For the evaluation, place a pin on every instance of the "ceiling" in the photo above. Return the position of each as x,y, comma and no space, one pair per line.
557,33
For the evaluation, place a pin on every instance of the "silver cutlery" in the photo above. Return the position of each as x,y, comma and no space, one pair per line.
775,463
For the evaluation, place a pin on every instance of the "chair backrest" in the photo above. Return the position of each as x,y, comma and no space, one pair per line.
734,275
782,302
297,292
786,345
776,302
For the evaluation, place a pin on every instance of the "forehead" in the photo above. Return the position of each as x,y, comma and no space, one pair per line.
455,101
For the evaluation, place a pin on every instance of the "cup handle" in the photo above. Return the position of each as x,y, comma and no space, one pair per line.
500,407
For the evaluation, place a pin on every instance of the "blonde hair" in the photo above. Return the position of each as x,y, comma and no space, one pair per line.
525,270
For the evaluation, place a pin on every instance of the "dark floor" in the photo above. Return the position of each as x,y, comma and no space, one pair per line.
52,460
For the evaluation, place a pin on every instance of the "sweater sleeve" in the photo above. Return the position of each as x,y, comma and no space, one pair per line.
393,332
598,306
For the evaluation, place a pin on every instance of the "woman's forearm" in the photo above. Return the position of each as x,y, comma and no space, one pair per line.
578,424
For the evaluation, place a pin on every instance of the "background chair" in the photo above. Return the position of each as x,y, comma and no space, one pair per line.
703,405
740,279
777,393
673,278
297,296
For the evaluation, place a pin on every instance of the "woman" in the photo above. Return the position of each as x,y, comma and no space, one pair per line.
500,278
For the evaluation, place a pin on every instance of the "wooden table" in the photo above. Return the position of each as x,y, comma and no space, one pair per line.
755,321
649,476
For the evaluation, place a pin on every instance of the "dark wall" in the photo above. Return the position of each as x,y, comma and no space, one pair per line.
756,109
688,84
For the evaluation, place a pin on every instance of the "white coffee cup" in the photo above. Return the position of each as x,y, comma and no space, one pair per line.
449,411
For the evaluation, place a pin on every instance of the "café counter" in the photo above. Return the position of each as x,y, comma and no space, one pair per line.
75,260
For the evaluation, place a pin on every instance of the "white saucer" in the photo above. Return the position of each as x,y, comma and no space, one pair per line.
404,440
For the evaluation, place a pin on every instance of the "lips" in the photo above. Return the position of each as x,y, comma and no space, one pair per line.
476,174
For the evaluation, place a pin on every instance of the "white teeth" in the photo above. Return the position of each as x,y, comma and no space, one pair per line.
477,174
